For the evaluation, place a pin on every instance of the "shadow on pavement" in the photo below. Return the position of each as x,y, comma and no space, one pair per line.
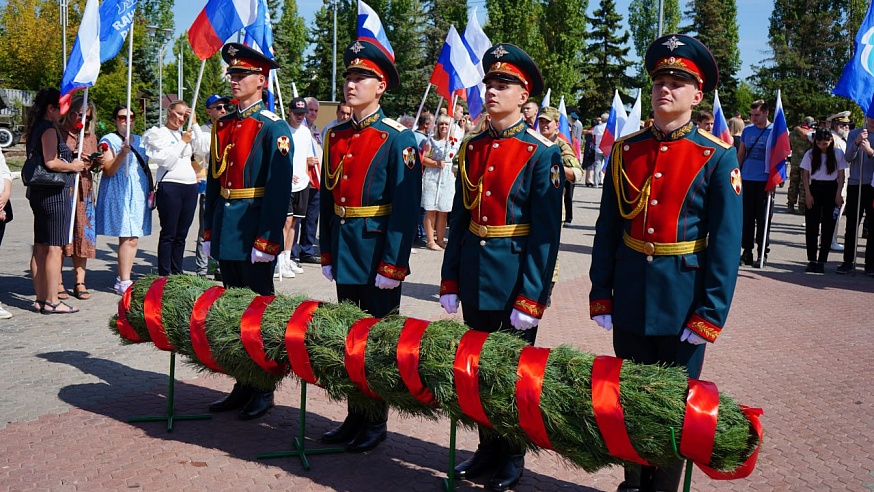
126,392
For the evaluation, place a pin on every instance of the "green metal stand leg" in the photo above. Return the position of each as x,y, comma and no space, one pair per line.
449,481
171,416
300,440
687,482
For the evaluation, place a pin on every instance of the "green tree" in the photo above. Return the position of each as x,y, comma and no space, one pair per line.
643,19
441,14
808,53
318,64
517,22
606,70
404,22
289,44
715,25
563,27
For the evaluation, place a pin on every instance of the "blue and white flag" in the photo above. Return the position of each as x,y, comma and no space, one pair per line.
370,28
101,35
857,81
259,36
563,125
632,120
476,42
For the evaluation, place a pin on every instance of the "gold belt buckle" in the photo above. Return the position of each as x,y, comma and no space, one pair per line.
226,193
341,212
482,230
648,248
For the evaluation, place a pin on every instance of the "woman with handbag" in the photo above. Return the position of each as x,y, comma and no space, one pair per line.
122,210
438,181
170,147
84,243
48,174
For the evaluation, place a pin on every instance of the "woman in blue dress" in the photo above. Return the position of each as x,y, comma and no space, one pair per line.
122,211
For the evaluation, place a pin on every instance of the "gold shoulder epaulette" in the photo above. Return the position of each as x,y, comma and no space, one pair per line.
270,114
394,124
626,137
713,138
536,134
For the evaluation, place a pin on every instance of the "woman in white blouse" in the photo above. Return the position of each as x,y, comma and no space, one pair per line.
5,192
822,171
171,149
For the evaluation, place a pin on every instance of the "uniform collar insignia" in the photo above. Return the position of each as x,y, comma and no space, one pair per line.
674,135
516,129
357,47
367,120
673,43
499,51
245,113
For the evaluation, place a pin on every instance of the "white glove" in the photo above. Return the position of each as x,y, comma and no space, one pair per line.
383,282
690,336
328,272
604,321
259,256
206,248
522,321
449,303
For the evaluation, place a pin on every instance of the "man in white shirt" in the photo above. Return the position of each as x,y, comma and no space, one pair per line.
598,133
305,251
300,190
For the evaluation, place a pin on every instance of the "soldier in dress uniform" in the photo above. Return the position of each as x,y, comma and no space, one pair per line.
505,231
665,255
247,188
370,193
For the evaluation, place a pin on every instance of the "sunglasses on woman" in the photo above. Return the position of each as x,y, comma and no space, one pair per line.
79,116
123,117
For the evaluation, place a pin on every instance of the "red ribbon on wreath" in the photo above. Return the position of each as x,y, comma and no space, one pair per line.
409,344
152,306
295,336
124,327
250,335
197,327
608,409
466,371
529,387
356,344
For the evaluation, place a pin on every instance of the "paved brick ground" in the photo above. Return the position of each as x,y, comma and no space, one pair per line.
796,345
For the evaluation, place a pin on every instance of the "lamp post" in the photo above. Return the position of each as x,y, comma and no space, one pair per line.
163,36
334,58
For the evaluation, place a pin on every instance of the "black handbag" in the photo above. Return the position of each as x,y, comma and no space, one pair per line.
35,173
8,209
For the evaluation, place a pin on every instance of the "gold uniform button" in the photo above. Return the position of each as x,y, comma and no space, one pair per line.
657,175
482,242
648,249
654,202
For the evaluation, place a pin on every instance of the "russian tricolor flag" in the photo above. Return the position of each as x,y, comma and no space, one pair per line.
370,28
720,125
217,22
564,126
476,42
454,70
615,123
777,148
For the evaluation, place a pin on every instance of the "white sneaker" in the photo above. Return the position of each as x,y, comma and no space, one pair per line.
291,264
4,314
122,285
282,269
837,247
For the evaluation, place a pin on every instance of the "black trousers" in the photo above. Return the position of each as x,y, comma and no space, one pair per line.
755,202
309,226
492,321
176,206
568,201
376,302
867,208
822,213
657,350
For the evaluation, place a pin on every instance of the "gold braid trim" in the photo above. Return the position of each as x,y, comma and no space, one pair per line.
331,180
215,156
465,181
619,179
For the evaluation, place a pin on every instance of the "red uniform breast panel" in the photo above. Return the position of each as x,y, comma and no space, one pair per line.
498,163
236,138
672,167
356,150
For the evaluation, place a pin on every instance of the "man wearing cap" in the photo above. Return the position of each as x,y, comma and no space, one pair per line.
840,126
370,193
247,189
598,132
799,141
664,258
216,107
504,233
547,125
303,156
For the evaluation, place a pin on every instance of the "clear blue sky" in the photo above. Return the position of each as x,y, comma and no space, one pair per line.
752,21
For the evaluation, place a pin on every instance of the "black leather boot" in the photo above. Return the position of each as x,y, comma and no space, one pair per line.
632,482
509,471
371,434
237,398
667,479
257,406
346,431
484,460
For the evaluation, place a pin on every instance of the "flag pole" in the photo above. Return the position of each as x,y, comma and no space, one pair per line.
279,93
858,211
130,68
421,105
84,110
763,252
196,93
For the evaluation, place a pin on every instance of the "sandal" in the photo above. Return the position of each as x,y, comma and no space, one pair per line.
38,306
82,295
434,247
54,310
62,292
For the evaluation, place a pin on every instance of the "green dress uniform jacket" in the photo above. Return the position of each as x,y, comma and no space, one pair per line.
248,184
370,194
667,240
506,221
